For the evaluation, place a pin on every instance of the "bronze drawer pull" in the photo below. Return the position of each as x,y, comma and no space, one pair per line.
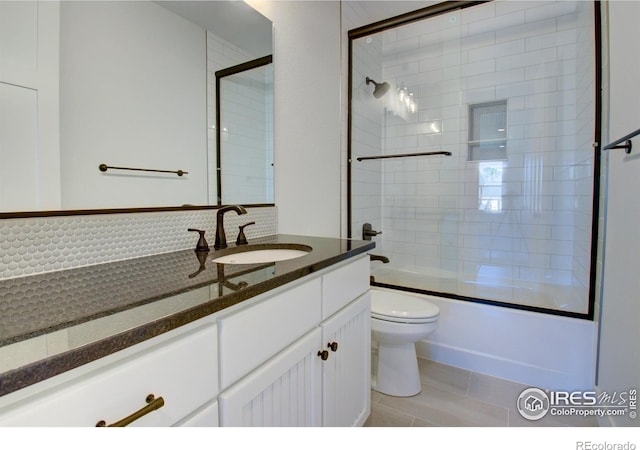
153,403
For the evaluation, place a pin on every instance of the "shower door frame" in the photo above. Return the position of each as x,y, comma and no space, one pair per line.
220,74
442,8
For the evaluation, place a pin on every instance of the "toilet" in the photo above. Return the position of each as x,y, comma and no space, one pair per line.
398,321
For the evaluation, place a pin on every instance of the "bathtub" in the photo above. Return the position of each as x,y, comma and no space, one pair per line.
488,285
531,348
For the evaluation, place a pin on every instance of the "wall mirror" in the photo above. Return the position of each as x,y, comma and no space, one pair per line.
126,85
244,138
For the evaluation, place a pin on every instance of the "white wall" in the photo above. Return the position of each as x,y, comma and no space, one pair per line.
153,105
619,359
307,74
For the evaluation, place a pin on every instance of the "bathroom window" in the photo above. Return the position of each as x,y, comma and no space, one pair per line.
488,131
490,186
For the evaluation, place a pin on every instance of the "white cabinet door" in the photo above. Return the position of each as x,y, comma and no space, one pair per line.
29,106
346,372
283,392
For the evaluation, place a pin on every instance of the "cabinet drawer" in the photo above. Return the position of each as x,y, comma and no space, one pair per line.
344,285
250,337
182,370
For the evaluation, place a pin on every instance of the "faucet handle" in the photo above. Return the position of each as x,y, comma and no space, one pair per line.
202,245
368,232
242,239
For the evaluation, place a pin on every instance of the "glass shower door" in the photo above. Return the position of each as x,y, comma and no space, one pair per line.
508,89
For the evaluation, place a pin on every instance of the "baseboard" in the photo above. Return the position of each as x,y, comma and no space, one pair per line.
512,370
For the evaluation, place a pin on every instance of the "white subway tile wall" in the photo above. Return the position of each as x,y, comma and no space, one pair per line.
509,228
30,246
247,150
221,54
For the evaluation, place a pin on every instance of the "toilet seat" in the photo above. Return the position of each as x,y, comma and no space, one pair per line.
402,308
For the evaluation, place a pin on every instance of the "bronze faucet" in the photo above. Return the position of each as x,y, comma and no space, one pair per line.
221,237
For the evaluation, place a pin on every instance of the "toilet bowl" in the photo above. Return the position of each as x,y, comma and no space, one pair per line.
398,321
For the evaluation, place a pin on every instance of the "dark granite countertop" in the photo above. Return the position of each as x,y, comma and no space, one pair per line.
116,305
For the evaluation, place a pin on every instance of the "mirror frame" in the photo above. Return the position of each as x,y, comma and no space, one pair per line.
253,64
87,212
91,212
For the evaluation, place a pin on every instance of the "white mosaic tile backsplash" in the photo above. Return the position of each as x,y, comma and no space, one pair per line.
36,245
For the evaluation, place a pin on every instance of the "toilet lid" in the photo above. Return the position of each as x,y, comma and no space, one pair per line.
399,307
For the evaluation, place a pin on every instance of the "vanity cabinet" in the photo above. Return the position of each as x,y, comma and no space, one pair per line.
179,369
322,378
298,355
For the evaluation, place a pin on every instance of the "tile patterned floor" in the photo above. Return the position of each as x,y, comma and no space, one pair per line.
453,397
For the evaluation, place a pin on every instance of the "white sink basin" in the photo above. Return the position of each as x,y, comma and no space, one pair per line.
264,255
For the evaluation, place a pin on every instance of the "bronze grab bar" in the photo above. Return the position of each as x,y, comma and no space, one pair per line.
153,404
403,155
103,168
627,143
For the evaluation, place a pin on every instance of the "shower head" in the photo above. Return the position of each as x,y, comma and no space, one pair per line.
380,88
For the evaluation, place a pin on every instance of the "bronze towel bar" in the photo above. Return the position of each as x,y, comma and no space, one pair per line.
403,155
103,168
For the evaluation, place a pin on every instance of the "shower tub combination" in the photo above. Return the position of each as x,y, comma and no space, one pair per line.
471,162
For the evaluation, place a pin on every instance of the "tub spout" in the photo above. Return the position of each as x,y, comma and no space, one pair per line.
384,259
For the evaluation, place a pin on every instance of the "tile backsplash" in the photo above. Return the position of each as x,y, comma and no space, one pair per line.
29,246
